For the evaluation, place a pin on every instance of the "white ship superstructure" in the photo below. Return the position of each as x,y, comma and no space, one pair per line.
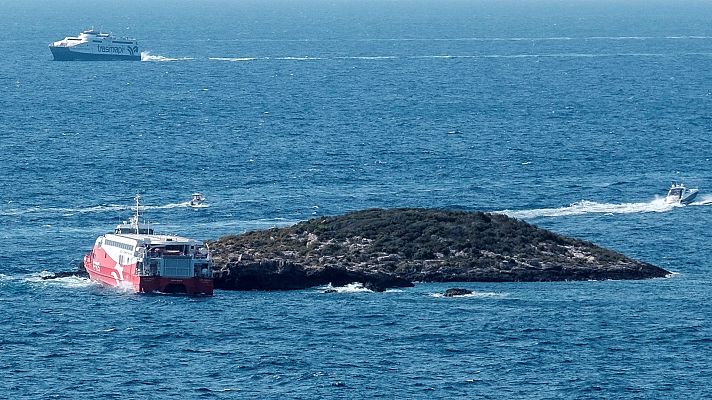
93,45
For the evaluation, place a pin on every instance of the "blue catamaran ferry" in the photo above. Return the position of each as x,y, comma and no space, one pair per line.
92,45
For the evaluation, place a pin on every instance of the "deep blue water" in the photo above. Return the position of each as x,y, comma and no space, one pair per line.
574,116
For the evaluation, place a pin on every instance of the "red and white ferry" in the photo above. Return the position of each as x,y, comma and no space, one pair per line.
136,259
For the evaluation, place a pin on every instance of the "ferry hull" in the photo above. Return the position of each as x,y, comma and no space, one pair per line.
66,54
108,273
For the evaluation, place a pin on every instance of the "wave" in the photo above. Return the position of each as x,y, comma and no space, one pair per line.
356,287
591,207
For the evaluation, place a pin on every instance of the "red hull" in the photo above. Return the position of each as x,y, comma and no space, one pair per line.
104,269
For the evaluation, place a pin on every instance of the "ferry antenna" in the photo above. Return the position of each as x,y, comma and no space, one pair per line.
138,207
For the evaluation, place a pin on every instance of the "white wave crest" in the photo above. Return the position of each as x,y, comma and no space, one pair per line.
591,207
356,287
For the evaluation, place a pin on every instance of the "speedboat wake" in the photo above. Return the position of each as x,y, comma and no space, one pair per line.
702,201
591,207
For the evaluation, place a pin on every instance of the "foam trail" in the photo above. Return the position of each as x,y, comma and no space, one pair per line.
65,210
307,58
146,56
232,59
93,209
591,207
703,201
167,206
149,57
367,58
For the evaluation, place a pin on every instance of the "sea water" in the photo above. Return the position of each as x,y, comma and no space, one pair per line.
574,116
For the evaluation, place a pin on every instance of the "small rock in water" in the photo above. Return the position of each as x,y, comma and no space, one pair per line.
330,290
452,292
64,274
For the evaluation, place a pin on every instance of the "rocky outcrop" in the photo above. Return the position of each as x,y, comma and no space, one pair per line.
271,274
79,271
454,292
393,248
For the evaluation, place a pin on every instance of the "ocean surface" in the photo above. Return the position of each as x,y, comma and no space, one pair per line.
572,115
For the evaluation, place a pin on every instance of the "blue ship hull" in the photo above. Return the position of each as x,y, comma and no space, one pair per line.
65,54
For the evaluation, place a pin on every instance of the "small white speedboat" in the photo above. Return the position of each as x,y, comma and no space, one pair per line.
197,200
679,194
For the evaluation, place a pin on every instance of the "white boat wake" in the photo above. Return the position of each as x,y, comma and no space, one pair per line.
146,56
232,59
166,206
591,207
702,201
66,211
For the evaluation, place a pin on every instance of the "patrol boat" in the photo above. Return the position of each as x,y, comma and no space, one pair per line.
136,259
93,45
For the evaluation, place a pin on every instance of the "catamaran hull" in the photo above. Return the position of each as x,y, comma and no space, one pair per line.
67,54
105,270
